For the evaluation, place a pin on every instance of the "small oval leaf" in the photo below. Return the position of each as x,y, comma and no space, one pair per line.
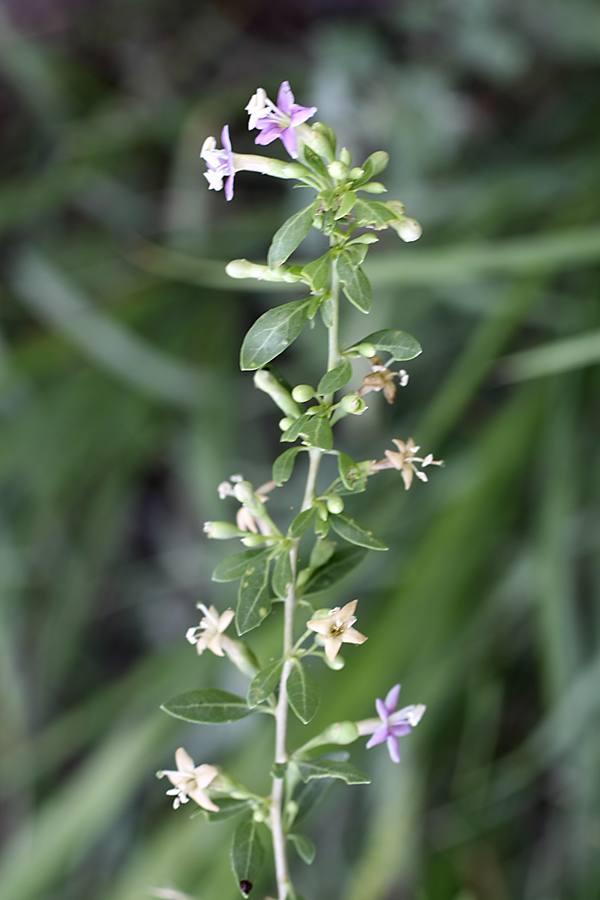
282,575
356,285
263,685
233,567
335,379
317,432
301,523
398,344
284,465
210,706
303,692
247,853
343,561
353,531
304,847
292,232
272,333
254,600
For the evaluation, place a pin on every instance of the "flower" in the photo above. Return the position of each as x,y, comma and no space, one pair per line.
190,781
404,460
335,627
220,163
209,634
393,724
278,121
382,379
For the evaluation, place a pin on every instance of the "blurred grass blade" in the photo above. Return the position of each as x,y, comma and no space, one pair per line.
551,359
60,303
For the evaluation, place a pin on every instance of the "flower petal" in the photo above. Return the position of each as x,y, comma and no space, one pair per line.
288,137
269,131
285,98
382,710
225,139
391,701
184,761
203,800
300,114
393,749
352,636
378,737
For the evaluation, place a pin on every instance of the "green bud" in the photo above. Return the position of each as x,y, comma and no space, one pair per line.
408,229
366,349
322,511
302,577
254,540
244,492
241,656
322,613
221,531
321,553
336,664
242,268
345,156
353,404
373,187
286,423
356,173
337,169
267,382
259,814
294,170
377,161
302,393
340,733
322,141
335,504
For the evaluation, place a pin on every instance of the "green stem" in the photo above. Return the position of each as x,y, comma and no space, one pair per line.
284,885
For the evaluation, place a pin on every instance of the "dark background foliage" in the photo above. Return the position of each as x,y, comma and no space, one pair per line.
122,407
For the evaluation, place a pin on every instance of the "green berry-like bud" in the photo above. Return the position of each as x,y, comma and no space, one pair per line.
244,492
345,156
366,349
322,511
294,170
408,229
337,170
242,656
336,664
356,173
335,504
260,814
373,187
254,540
340,733
302,393
265,381
286,423
353,404
221,531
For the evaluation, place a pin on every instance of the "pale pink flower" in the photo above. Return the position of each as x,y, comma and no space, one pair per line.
190,781
336,629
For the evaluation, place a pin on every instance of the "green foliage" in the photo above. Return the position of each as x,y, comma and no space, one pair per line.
341,563
247,850
335,379
329,768
254,599
284,465
355,533
290,235
304,846
303,692
265,683
209,706
272,333
355,283
233,567
400,345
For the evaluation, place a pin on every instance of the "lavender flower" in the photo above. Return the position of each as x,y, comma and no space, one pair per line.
393,724
220,163
278,121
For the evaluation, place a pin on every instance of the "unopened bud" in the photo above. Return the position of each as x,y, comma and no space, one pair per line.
335,504
366,349
345,156
302,393
294,170
265,381
377,161
259,814
336,664
221,531
244,492
253,540
322,511
408,229
340,733
353,404
356,173
242,268
286,423
373,187
337,169
322,140
241,655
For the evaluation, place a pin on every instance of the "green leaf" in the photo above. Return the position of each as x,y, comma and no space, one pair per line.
282,575
291,233
353,531
263,685
335,379
210,706
228,807
330,768
308,794
398,344
373,214
317,272
327,310
284,465
233,567
254,601
317,432
247,850
358,253
304,847
375,163
343,561
355,283
301,523
316,163
272,333
348,201
348,470
303,692
293,432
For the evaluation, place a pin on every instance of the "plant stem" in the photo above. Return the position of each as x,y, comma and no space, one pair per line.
284,885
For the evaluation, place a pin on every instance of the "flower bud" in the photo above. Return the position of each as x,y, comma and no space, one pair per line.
302,393
408,229
353,404
366,349
335,504
345,156
356,173
285,423
373,187
265,381
253,540
340,733
294,170
322,140
259,814
337,169
321,553
221,531
240,654
322,511
244,492
242,268
336,664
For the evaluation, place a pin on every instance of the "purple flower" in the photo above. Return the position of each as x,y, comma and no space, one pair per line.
394,724
220,163
278,121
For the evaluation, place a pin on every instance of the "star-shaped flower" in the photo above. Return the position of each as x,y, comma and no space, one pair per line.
382,379
190,781
209,634
336,629
278,121
220,163
405,459
393,724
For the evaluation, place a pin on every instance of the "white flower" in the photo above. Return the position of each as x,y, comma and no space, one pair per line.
257,107
190,781
405,459
209,634
336,629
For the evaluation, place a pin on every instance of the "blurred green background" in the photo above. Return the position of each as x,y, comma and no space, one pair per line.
122,407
